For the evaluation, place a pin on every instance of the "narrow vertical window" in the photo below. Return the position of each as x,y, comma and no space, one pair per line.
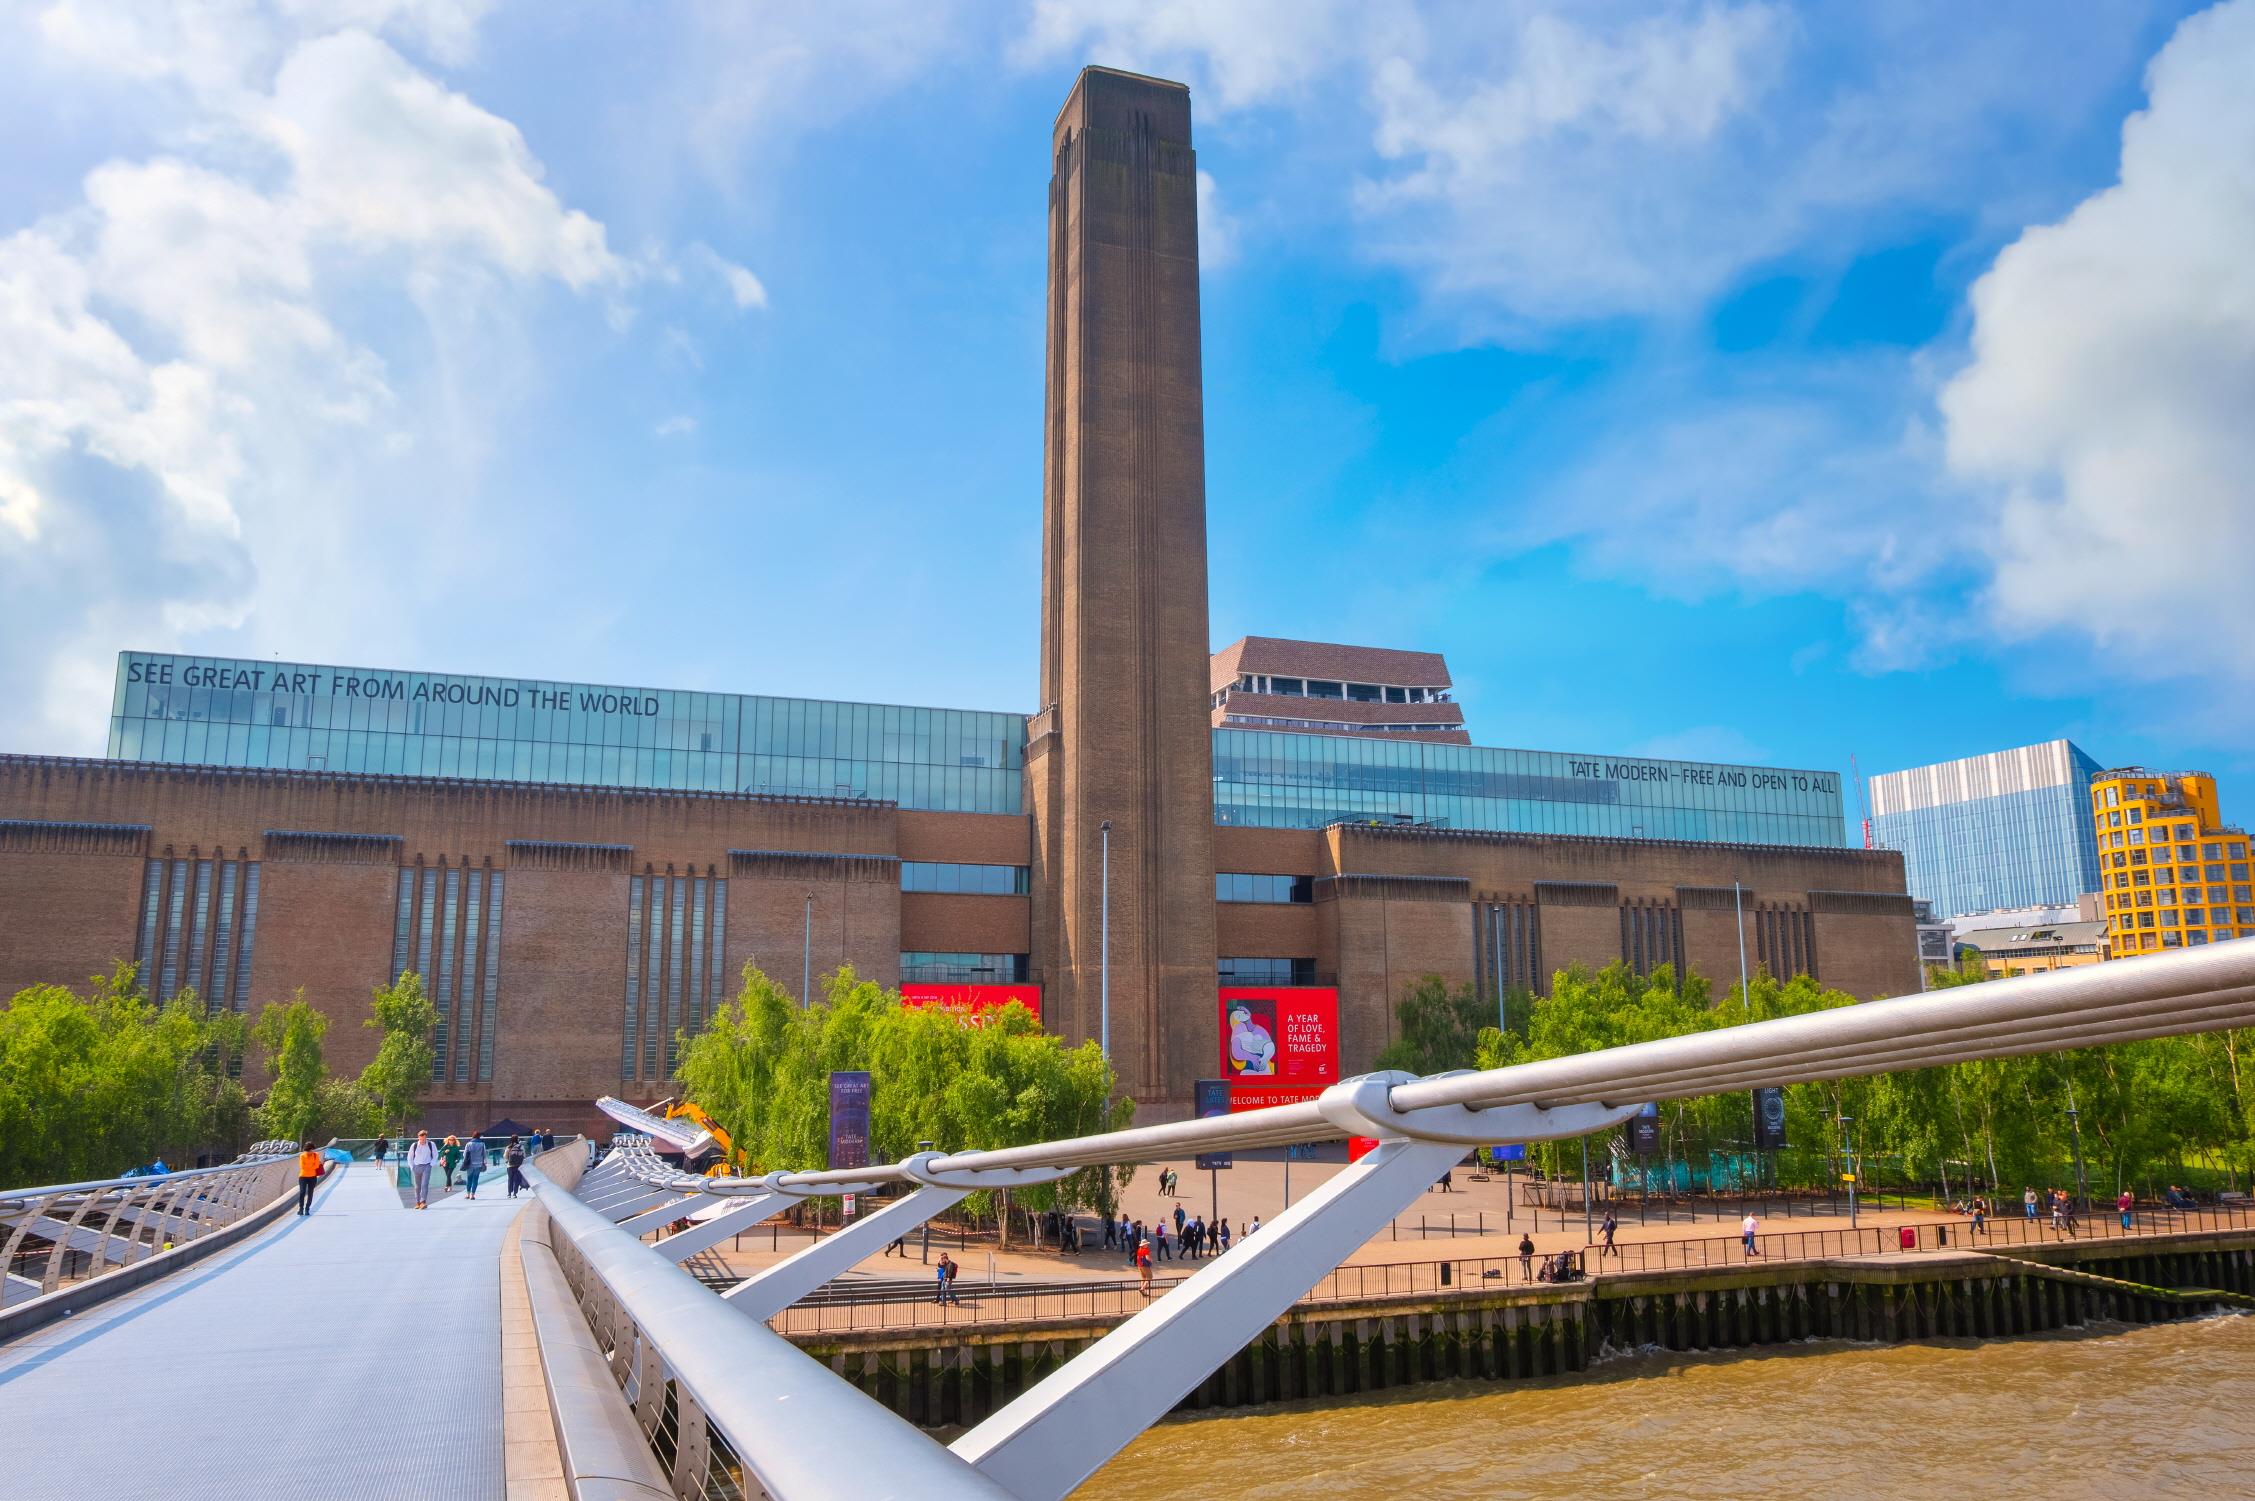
633,976
199,930
403,926
716,981
680,885
152,902
242,995
696,1006
490,1009
429,909
466,983
653,994
178,899
223,943
450,1031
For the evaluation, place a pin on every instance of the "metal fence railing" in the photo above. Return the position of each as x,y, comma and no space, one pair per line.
73,1232
842,1309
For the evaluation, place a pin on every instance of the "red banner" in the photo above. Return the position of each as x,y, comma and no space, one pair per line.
976,999
1280,1034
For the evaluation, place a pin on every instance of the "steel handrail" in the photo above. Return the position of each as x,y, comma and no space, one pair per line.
2192,990
138,1180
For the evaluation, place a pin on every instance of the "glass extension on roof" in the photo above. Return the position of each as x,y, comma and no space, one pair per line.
1271,779
214,711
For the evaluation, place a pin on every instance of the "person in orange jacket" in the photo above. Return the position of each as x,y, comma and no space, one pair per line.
309,1174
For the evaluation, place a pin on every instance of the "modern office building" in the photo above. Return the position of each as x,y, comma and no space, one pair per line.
2035,948
2007,829
2174,874
580,873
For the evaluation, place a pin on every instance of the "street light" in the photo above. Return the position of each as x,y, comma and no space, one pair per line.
1104,948
1848,1160
2075,1125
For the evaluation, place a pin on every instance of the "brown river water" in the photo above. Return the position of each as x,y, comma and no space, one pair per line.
2157,1411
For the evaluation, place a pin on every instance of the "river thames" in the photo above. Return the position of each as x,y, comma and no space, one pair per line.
2161,1410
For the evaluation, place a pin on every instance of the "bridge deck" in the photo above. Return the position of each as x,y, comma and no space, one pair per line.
353,1353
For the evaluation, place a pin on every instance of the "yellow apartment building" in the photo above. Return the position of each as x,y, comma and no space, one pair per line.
2173,873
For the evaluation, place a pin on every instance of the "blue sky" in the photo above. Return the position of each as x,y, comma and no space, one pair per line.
1724,380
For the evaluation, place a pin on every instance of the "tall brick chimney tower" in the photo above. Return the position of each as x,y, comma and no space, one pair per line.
1123,734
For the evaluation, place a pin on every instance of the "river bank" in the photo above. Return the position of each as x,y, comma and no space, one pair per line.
1514,1334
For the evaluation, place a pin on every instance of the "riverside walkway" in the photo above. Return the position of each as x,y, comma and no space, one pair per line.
355,1352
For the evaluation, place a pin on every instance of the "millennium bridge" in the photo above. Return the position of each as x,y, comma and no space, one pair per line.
186,1336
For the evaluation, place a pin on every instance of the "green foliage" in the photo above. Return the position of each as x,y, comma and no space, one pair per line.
304,1103
2149,1112
92,1085
762,1071
1439,1027
396,1079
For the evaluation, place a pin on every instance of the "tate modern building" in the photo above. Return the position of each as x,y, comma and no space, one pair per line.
1279,836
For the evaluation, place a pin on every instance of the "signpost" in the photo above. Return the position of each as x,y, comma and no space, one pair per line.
1212,1099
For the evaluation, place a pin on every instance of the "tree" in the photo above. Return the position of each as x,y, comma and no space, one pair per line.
1440,1027
304,1103
761,1070
92,1085
396,1079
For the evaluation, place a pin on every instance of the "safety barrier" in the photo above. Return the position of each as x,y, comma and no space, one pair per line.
75,1232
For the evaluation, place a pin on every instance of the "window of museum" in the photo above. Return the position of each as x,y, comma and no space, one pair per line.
1236,886
963,879
925,967
1266,971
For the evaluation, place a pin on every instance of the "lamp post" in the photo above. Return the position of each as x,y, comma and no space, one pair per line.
1738,911
2075,1127
1848,1162
1104,948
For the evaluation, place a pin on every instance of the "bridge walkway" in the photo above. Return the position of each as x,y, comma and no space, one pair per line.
353,1353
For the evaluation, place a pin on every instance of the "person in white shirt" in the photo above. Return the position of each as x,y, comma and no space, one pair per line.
420,1157
1747,1230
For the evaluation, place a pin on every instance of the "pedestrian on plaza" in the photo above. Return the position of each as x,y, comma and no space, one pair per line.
1249,1229
1143,1266
1748,1228
514,1155
1179,1218
1608,1230
1448,1182
1159,1240
1526,1257
1980,1215
1111,1234
420,1156
2058,1208
473,1164
451,1155
1127,1237
309,1176
2124,1204
939,1280
1221,1233
2028,1202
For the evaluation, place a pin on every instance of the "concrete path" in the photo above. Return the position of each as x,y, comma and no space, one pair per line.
353,1353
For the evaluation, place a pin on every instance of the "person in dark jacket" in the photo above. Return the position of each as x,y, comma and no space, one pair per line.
514,1155
473,1163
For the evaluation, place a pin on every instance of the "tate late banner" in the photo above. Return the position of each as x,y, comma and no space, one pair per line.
976,999
1212,1098
849,1119
1280,1034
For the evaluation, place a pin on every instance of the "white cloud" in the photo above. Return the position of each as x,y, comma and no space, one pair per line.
679,425
744,289
1246,53
2110,399
1217,228
188,438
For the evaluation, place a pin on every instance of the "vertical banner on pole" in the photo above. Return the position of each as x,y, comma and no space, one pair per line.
849,1119
1644,1132
1212,1099
1769,1119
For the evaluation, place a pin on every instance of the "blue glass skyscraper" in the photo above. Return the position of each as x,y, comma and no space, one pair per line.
2008,829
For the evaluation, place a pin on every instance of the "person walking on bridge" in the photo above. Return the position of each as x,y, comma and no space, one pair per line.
451,1156
473,1163
309,1176
514,1155
420,1157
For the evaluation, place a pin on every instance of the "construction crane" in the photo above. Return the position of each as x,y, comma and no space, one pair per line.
1863,796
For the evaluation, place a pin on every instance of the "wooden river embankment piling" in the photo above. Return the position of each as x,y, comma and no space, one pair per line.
954,1376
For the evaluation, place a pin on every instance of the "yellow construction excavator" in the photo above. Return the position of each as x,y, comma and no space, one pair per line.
728,1160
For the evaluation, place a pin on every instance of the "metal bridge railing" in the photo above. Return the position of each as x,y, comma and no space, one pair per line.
74,1232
